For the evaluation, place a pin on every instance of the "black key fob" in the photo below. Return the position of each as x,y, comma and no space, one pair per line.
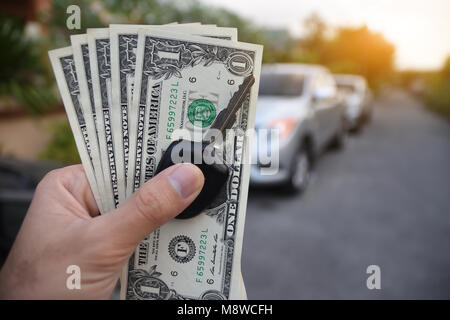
212,165
216,174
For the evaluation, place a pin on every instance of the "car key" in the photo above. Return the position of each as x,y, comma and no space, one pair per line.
216,174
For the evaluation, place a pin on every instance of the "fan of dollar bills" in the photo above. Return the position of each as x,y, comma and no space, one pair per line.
126,89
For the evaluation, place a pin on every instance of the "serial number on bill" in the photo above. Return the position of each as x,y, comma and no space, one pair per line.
202,258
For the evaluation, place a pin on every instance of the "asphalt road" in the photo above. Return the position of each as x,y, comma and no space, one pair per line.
384,200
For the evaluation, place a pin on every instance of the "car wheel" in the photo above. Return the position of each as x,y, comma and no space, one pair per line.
358,126
368,117
300,172
339,139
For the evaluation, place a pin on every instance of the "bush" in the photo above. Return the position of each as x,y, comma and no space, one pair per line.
61,147
437,95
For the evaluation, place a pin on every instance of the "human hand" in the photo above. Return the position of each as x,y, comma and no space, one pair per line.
63,227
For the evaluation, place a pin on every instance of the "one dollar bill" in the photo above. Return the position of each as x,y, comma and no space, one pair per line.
197,258
63,65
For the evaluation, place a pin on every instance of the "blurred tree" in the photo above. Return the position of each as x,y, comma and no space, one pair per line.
101,13
360,51
61,147
29,79
276,41
315,32
309,48
346,50
446,68
23,78
437,93
57,34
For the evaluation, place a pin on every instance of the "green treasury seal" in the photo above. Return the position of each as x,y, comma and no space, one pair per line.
201,113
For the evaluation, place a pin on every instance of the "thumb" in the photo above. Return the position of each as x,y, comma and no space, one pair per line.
157,201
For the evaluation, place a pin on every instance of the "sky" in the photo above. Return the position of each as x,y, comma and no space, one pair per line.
420,29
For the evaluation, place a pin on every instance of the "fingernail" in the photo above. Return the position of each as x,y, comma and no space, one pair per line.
184,180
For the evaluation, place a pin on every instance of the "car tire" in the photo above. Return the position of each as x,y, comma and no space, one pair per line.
339,139
300,172
368,117
358,126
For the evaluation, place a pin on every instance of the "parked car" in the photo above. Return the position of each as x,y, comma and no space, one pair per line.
358,99
300,101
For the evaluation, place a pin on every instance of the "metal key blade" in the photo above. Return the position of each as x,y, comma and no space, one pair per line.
226,118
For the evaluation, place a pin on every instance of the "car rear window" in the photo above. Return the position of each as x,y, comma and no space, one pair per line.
346,87
273,84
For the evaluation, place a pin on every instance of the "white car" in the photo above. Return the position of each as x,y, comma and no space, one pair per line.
358,99
300,101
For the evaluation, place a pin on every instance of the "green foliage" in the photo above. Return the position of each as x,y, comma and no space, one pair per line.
348,50
62,146
276,42
360,51
23,77
431,86
58,35
26,78
437,93
445,72
313,43
25,73
406,78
